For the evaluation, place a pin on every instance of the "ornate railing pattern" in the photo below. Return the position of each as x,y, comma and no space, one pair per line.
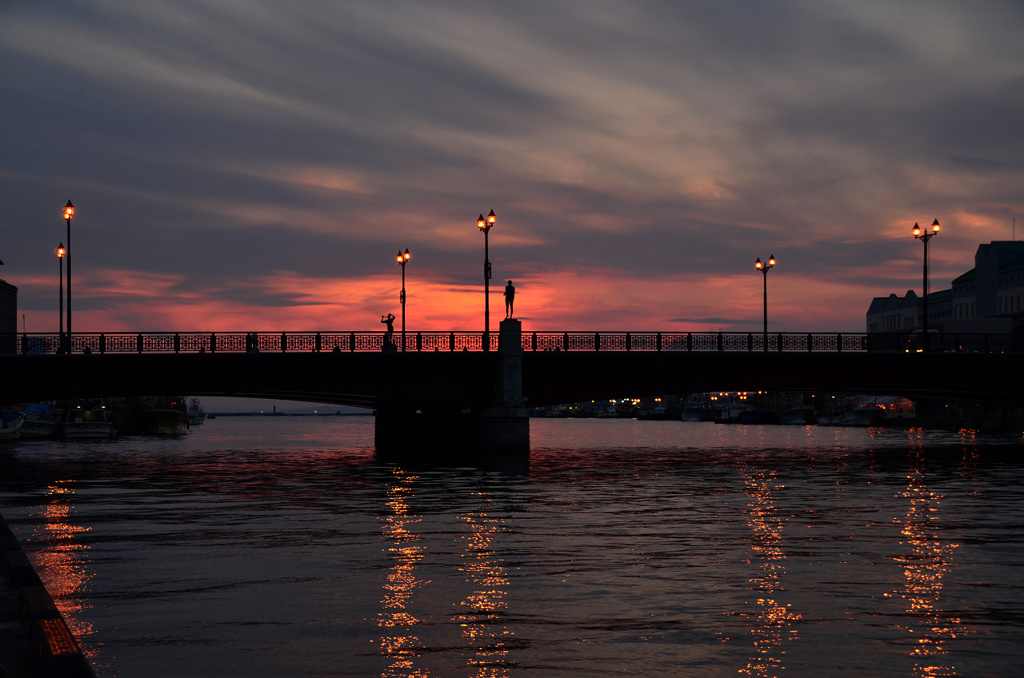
253,342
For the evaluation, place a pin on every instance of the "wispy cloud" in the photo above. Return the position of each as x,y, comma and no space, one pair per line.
640,155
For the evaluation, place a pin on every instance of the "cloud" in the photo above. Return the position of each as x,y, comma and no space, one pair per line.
650,150
716,321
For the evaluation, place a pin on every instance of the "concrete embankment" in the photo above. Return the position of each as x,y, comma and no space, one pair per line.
35,641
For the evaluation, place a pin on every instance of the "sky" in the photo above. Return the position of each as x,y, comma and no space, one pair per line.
256,165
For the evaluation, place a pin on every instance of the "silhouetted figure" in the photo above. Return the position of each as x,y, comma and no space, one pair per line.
388,320
510,299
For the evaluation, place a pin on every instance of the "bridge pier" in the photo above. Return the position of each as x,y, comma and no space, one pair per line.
501,426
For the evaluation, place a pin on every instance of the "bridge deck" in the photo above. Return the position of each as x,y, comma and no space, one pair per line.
353,342
465,379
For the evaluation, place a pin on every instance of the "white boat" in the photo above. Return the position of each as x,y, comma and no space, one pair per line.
39,423
10,425
80,424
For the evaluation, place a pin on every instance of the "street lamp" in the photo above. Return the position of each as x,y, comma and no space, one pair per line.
924,236
69,211
60,295
485,226
403,259
763,267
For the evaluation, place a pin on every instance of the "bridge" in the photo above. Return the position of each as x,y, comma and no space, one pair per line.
482,383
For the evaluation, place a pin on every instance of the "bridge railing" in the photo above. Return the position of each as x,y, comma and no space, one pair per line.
318,342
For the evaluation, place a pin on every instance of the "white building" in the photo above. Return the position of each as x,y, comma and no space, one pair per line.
987,299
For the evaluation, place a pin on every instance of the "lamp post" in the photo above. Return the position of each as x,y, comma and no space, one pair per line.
924,236
763,267
485,226
69,211
60,295
403,259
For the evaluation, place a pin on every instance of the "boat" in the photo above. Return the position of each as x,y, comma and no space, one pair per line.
661,408
88,424
697,407
196,413
40,422
10,425
755,416
152,416
160,421
859,415
799,416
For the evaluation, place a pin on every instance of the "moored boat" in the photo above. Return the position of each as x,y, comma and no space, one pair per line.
40,422
10,425
152,416
859,415
799,416
196,413
91,424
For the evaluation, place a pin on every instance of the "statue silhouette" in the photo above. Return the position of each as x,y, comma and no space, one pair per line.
388,320
510,299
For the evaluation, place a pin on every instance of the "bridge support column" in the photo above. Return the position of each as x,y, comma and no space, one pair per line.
505,425
500,427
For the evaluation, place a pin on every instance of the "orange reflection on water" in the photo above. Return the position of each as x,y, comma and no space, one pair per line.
483,617
63,563
397,642
924,567
773,619
972,454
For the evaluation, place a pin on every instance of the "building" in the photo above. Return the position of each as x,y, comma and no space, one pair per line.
8,317
987,299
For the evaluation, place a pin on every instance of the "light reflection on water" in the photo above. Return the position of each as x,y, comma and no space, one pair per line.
283,547
398,642
928,561
482,613
774,621
64,561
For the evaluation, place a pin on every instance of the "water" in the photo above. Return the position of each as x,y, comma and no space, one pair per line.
281,546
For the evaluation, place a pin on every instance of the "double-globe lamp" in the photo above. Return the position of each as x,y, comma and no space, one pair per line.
69,212
403,259
924,235
764,267
484,224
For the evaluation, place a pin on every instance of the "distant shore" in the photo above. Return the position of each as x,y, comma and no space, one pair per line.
367,413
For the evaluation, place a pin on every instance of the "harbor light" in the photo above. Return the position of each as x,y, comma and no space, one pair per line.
60,295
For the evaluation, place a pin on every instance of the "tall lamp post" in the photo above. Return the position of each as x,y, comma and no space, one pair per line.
924,236
69,211
403,259
485,226
763,267
60,295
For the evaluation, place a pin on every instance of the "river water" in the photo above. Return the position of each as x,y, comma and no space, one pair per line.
280,546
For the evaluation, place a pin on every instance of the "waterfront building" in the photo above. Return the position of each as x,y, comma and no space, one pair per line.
8,317
988,298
